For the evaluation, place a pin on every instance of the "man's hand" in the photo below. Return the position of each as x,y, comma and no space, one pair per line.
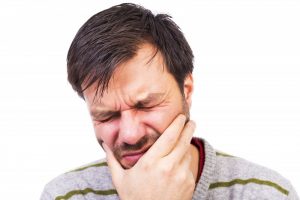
164,170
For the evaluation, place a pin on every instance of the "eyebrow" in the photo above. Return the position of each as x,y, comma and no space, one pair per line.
151,97
102,113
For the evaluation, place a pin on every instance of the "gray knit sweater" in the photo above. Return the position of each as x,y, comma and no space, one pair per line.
223,177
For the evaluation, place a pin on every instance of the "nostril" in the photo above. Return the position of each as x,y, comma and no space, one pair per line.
136,146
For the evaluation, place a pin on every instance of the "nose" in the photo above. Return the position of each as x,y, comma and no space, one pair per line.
130,127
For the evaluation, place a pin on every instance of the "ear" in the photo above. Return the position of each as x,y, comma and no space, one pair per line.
188,87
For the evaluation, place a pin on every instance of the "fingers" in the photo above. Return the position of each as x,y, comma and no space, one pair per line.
183,143
166,142
115,167
185,163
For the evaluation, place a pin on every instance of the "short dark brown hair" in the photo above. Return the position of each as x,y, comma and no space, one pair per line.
112,36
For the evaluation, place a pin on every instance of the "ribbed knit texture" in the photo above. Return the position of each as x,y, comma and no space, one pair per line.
224,177
201,190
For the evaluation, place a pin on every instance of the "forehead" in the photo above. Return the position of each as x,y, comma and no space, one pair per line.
135,79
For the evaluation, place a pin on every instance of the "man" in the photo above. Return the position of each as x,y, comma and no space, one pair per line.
134,71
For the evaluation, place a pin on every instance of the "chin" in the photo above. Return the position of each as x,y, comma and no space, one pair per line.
127,165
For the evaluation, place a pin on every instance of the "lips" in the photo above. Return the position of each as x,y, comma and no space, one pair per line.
130,158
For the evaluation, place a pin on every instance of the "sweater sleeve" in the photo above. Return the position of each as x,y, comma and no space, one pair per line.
46,195
293,194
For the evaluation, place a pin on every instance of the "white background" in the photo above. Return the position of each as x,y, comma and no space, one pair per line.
246,101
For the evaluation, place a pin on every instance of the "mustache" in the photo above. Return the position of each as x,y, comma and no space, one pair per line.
146,140
133,147
125,147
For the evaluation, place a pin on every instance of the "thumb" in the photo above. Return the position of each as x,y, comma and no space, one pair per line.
115,168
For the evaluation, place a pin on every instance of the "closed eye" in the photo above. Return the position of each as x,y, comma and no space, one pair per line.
140,106
114,116
146,108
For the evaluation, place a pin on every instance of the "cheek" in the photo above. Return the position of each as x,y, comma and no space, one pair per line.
159,120
107,133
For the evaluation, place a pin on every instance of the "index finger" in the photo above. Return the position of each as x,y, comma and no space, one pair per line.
166,142
183,142
115,167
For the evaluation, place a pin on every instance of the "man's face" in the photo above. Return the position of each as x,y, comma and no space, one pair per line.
141,101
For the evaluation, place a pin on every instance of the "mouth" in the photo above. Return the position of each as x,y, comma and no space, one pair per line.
129,159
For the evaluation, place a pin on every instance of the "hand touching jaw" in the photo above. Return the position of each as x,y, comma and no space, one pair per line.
163,171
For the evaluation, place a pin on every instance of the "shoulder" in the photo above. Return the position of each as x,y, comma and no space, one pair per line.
242,179
90,179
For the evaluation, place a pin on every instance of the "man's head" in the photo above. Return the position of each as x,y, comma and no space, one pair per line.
134,71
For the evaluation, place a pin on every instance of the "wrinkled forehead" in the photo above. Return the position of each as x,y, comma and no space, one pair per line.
133,79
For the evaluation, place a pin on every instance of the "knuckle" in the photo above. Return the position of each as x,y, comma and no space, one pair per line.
183,142
167,170
181,177
186,178
189,158
191,182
